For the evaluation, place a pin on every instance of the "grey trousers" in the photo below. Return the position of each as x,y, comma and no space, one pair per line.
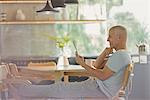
88,88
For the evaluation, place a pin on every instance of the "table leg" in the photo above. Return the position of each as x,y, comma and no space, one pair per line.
58,76
66,78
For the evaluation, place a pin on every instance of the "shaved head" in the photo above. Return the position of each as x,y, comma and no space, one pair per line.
119,31
119,36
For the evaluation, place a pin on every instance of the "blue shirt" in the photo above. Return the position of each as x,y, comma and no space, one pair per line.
117,63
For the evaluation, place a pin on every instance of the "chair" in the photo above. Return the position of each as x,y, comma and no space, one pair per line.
126,85
47,79
4,71
45,64
7,75
37,79
14,72
15,77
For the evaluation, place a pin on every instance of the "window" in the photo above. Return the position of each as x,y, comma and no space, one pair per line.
31,40
134,15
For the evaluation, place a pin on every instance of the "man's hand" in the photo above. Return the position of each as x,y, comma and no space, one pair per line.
107,51
80,60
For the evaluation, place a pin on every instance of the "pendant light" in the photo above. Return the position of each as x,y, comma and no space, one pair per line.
71,1
58,3
48,7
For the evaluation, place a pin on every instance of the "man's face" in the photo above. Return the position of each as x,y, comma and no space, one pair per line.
112,39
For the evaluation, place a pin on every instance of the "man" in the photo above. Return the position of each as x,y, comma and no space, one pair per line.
108,71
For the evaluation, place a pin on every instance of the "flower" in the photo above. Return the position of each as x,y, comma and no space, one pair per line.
61,42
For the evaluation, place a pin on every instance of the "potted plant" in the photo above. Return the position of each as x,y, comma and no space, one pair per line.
61,42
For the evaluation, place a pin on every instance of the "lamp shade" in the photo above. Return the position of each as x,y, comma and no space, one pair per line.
71,1
58,3
48,7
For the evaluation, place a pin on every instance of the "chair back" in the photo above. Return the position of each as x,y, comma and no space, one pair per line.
45,64
127,80
4,71
13,69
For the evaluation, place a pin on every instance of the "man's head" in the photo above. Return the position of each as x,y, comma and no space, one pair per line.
117,37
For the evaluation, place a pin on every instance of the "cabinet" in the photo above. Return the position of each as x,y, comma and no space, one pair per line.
32,17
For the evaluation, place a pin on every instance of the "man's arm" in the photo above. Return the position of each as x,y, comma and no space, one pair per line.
101,74
102,59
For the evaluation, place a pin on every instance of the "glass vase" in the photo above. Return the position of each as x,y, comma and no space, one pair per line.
63,59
